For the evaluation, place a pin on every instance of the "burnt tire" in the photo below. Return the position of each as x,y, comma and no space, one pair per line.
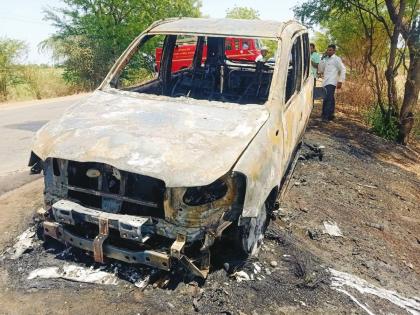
251,232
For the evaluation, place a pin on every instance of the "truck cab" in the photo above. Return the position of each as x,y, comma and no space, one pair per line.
235,48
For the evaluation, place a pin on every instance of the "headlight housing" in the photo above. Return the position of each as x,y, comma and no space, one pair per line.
197,196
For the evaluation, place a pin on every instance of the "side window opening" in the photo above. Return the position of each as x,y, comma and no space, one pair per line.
198,67
294,73
143,65
183,54
228,44
245,44
236,44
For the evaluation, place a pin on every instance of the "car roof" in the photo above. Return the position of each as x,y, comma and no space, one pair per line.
222,27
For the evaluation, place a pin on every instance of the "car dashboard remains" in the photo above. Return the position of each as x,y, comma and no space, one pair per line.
208,74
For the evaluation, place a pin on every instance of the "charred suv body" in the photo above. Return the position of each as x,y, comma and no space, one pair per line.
154,165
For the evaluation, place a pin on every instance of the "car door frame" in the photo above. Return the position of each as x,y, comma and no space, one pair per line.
296,110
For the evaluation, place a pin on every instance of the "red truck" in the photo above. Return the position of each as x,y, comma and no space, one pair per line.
235,48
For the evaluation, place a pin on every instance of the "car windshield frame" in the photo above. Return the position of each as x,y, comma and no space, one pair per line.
136,45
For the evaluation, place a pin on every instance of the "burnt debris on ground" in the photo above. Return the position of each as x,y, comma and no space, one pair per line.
284,274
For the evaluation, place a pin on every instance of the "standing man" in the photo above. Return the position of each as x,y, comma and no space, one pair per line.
334,75
262,57
315,59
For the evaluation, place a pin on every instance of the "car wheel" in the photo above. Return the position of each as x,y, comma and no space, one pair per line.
252,232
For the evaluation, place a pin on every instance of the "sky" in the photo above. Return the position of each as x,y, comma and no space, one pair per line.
23,19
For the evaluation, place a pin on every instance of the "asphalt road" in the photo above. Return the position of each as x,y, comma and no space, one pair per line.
18,125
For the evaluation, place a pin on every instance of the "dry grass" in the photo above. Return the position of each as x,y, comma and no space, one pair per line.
356,98
39,82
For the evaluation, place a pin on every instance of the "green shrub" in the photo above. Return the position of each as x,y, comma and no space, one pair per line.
384,125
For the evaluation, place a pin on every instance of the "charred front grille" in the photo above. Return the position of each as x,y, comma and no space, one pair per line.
104,187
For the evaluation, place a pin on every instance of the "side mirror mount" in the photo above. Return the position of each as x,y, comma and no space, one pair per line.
319,93
37,165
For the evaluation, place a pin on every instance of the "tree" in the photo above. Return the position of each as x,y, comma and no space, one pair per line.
242,13
10,51
361,42
399,19
92,34
412,84
321,41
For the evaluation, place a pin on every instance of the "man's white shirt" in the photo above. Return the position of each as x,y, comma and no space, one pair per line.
333,69
260,58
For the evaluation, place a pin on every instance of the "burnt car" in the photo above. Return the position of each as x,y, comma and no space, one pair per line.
156,164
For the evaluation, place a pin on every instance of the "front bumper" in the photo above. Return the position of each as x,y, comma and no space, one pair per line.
146,257
68,214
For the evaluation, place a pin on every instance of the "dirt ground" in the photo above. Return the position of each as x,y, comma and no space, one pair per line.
367,186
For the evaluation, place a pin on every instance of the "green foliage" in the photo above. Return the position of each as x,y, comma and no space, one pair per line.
382,124
321,41
242,13
347,32
10,51
271,45
92,34
343,23
313,12
142,65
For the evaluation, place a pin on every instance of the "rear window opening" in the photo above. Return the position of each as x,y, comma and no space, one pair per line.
236,70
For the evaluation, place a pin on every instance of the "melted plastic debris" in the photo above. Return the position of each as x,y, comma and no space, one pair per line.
257,268
23,243
341,280
331,228
75,273
241,276
142,283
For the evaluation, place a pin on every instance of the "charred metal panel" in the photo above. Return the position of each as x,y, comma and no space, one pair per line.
207,214
266,160
147,257
156,136
104,187
55,182
220,27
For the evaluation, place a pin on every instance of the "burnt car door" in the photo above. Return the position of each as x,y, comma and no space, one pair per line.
298,96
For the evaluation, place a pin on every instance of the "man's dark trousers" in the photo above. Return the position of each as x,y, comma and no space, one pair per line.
328,106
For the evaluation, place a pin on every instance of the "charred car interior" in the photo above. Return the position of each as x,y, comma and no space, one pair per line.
210,73
161,161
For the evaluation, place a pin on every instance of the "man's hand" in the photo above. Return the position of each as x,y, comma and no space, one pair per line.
339,85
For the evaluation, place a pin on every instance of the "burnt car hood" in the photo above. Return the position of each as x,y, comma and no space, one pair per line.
183,142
